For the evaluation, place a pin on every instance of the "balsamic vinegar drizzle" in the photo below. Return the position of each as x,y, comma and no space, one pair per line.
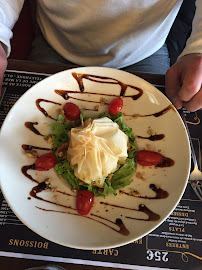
38,101
122,229
162,112
151,215
65,94
101,79
118,222
31,147
142,208
160,193
167,162
24,170
30,126
157,114
156,137
43,186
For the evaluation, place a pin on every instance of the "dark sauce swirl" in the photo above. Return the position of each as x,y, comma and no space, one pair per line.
151,215
100,79
156,137
160,193
28,147
160,113
167,162
66,96
24,170
38,101
122,229
30,126
41,187
157,114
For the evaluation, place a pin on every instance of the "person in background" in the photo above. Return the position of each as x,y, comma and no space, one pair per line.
128,35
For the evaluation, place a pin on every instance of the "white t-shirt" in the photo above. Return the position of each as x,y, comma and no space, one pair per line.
112,33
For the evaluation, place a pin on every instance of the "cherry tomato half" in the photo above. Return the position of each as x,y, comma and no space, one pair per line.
115,106
149,158
45,162
71,111
84,202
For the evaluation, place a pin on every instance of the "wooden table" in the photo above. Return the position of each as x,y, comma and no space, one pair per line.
7,263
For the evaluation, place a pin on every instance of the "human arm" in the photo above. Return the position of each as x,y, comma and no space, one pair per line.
3,61
184,78
9,12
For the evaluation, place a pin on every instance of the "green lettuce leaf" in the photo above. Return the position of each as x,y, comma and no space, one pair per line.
63,168
122,177
103,192
60,133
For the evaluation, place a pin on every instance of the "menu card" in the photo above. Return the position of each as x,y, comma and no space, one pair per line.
176,244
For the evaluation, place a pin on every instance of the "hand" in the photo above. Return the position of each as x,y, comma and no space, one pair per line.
3,65
184,82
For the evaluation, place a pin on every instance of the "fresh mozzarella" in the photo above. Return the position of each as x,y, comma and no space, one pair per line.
96,149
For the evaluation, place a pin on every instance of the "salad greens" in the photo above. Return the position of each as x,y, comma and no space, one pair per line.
119,179
59,133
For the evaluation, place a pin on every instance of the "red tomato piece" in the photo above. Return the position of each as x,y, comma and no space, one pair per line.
84,202
71,111
115,106
149,158
45,162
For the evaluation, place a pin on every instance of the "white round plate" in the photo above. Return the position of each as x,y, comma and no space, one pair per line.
98,230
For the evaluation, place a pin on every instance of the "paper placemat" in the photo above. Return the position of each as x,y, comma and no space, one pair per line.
176,244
